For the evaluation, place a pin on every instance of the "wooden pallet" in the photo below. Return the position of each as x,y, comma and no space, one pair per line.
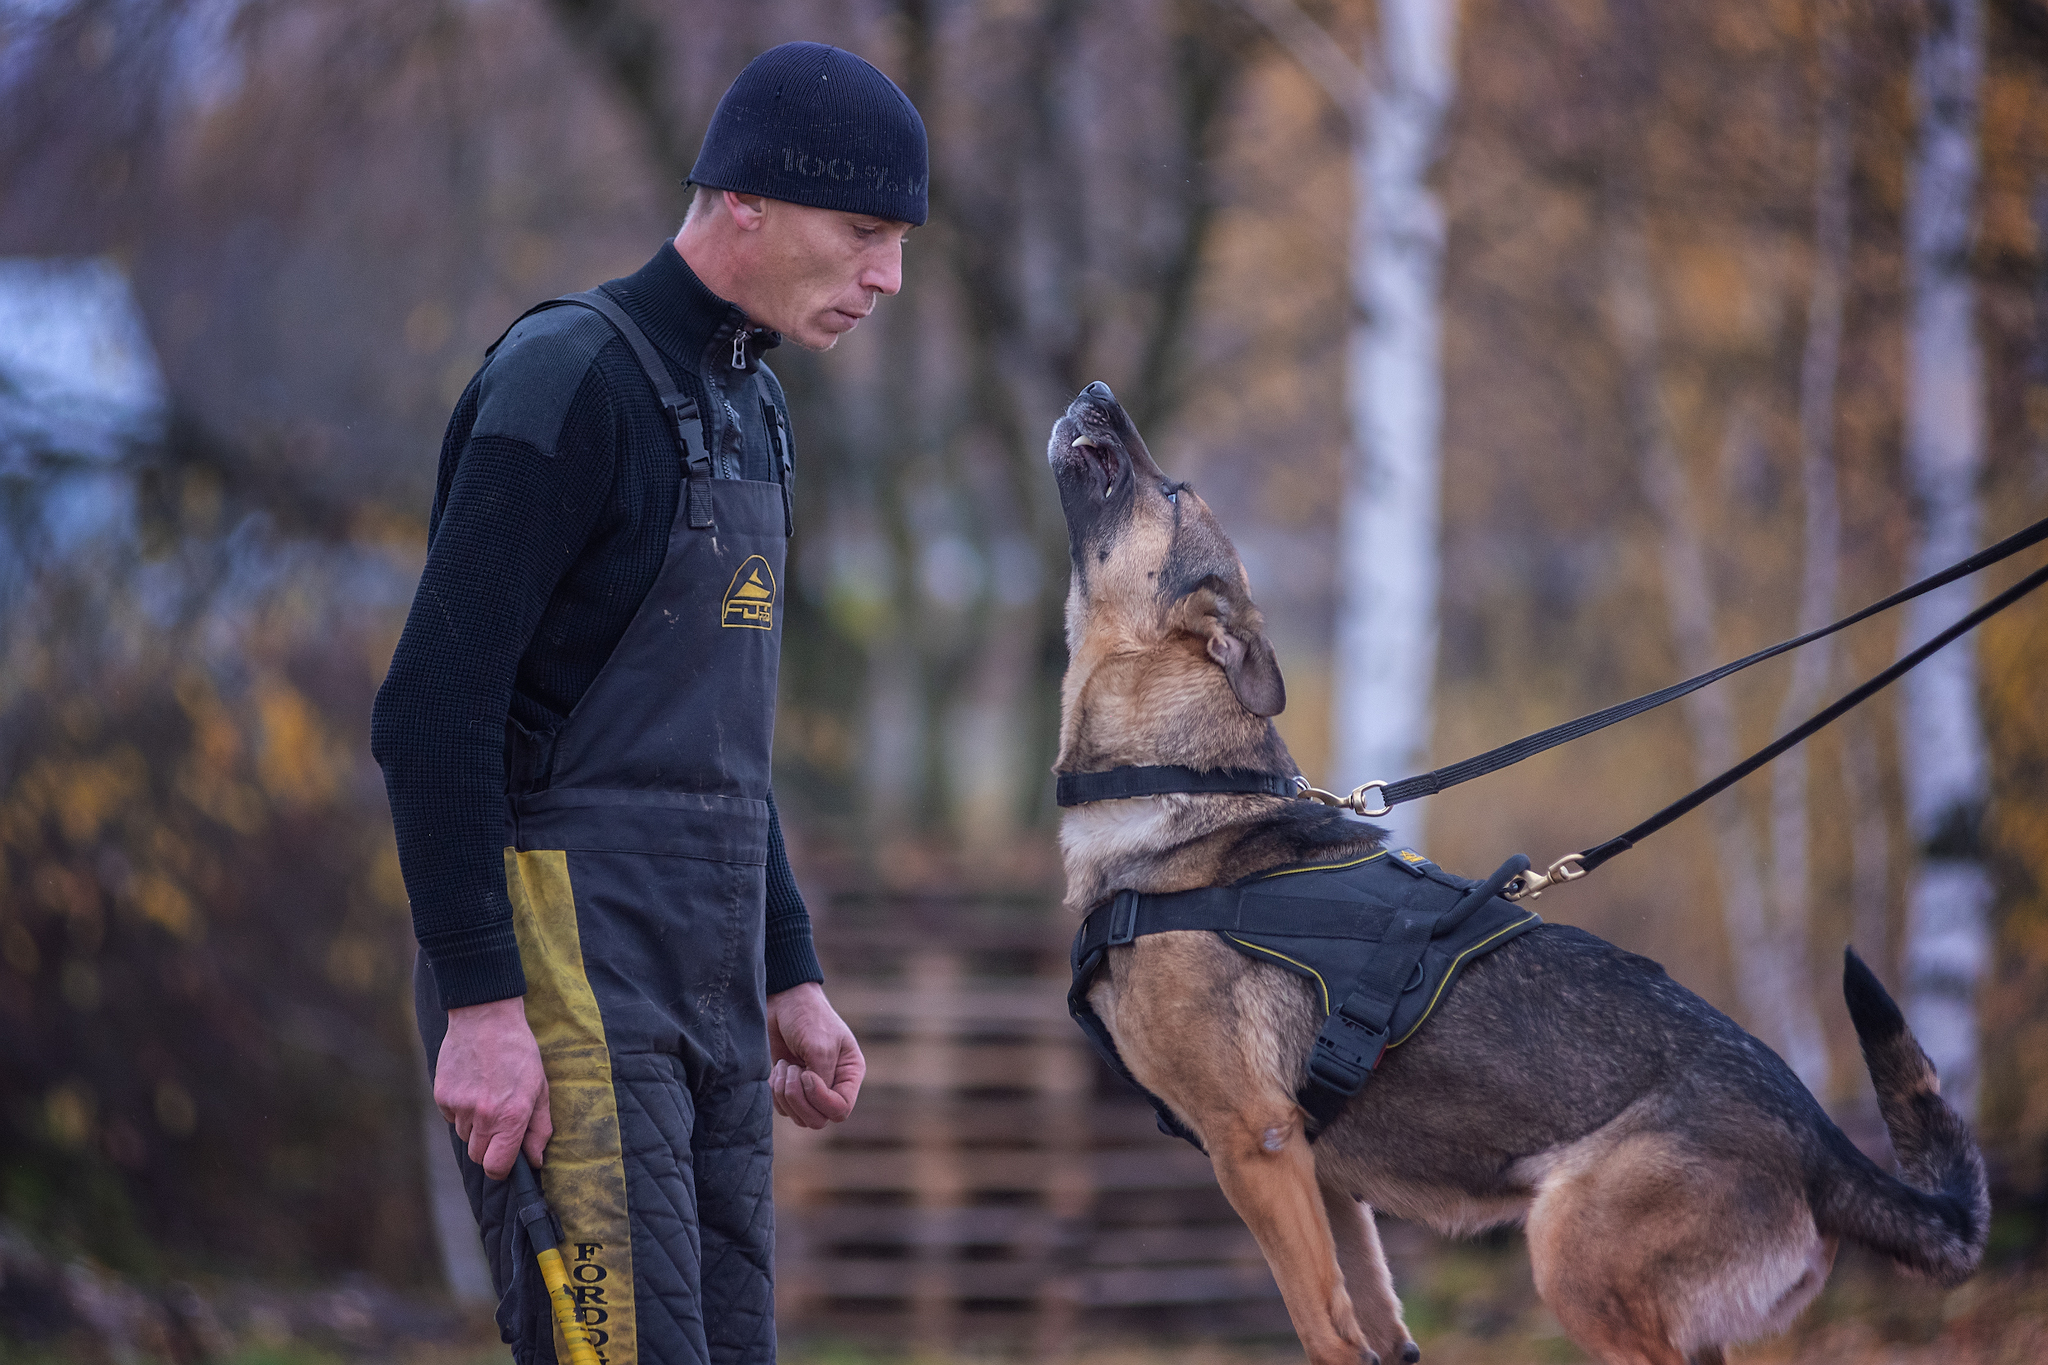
997,1183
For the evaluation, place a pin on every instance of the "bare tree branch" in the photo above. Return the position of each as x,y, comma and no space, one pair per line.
1769,983
1345,81
626,45
1205,70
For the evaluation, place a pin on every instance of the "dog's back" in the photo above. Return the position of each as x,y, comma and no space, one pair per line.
1561,1035
1677,1179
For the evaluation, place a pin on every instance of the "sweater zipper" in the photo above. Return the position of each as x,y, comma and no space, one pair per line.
725,446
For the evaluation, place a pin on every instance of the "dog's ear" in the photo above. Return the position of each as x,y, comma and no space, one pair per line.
1234,633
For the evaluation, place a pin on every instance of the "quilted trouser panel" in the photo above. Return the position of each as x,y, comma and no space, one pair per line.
652,1032
702,1217
737,1215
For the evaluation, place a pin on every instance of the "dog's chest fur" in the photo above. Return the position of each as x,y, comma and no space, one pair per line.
1154,843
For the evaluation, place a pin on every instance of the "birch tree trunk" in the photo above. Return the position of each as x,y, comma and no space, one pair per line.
1790,804
1769,982
1946,780
1384,661
1387,528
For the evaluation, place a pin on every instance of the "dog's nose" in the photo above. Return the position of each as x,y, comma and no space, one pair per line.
1099,390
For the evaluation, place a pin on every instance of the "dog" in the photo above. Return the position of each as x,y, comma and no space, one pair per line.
1680,1189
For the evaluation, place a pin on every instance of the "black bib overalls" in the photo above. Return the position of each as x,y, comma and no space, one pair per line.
637,838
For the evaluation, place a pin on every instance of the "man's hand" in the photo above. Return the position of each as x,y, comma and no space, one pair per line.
489,1084
818,1066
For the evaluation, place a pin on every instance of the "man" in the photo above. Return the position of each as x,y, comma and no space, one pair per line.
616,974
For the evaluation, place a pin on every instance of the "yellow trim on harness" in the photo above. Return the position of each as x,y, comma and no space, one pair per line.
1285,958
1452,971
1442,984
1324,867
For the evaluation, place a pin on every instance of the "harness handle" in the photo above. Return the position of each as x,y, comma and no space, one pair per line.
1507,874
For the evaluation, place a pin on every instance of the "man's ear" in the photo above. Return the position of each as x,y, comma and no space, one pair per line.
747,210
1235,637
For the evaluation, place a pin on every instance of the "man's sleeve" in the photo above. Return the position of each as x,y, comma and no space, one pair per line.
529,486
791,958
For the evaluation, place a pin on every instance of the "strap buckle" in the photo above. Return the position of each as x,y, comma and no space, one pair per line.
1123,918
1346,1053
1569,868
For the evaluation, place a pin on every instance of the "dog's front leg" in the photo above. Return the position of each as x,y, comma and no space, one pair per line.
1267,1171
1366,1277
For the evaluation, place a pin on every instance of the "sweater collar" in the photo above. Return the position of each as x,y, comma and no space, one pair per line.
685,320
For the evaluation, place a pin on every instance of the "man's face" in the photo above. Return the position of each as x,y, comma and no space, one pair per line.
816,272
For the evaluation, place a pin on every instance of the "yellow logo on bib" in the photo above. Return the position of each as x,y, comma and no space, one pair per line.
750,601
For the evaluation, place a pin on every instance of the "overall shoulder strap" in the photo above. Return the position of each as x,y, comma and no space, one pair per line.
689,424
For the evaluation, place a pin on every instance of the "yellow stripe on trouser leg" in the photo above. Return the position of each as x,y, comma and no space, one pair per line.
585,1175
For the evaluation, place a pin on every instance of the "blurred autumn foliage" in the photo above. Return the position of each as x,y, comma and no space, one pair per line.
205,922
327,208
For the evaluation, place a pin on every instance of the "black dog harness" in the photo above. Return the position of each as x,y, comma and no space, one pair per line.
1382,937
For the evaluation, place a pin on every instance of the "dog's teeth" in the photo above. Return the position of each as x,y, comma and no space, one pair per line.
1084,441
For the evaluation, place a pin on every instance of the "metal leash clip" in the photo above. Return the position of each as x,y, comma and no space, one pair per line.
1533,884
1354,802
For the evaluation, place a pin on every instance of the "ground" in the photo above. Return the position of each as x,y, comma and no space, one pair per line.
1468,1303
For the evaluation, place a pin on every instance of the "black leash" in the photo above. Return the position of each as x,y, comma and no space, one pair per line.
1076,789
1081,788
1493,760
1573,866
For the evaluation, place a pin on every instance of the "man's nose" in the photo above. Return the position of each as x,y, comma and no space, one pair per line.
884,275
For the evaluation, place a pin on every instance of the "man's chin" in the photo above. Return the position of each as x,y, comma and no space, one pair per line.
822,335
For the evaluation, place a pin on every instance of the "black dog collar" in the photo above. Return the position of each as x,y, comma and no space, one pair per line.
1079,789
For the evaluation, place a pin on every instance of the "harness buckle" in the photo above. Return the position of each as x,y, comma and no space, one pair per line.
1346,1052
1569,868
1123,918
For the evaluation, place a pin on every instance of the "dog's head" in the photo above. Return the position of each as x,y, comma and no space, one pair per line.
1168,660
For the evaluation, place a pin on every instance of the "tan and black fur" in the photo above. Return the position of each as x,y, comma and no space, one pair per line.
1680,1188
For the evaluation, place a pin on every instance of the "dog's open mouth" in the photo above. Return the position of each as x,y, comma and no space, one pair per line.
1107,461
1087,449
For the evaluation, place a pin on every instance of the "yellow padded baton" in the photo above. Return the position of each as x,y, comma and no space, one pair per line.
532,1212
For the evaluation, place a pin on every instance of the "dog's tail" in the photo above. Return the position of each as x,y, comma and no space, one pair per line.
1936,1219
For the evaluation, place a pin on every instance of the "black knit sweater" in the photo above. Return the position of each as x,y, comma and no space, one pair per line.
549,526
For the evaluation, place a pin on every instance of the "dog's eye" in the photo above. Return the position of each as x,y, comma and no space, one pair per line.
1172,491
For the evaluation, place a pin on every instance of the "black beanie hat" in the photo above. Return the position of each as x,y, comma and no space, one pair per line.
816,125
